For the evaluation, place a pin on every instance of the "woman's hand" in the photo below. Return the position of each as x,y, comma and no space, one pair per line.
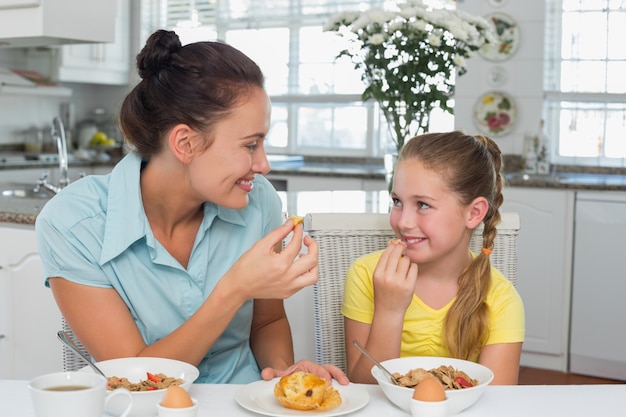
394,279
328,372
262,273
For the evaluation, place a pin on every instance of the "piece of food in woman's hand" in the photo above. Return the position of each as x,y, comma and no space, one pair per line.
306,391
296,220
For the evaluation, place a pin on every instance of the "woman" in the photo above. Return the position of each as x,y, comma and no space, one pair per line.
174,254
426,294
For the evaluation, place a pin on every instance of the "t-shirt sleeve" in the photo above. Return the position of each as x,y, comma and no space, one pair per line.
507,314
358,297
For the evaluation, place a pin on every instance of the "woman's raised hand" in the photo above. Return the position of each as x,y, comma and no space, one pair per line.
261,272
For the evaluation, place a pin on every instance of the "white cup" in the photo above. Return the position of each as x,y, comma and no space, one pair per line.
73,394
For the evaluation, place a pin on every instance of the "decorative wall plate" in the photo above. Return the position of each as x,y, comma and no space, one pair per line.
496,3
496,76
495,113
507,38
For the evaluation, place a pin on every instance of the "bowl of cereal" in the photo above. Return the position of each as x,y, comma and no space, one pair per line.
464,381
147,379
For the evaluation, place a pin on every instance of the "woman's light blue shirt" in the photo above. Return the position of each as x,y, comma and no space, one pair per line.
95,232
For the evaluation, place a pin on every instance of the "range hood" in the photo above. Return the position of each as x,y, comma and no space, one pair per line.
34,23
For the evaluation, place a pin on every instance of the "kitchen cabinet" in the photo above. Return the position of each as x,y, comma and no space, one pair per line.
29,317
35,23
598,332
545,246
99,63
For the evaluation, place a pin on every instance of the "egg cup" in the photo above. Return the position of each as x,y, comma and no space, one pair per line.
191,411
429,408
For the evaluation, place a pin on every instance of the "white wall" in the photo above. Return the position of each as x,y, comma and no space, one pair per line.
524,72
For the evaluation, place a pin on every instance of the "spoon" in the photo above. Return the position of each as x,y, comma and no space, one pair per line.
378,364
64,337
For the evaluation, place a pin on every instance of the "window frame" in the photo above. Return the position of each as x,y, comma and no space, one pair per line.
154,15
556,100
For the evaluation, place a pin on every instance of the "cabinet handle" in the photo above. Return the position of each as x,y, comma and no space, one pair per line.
2,336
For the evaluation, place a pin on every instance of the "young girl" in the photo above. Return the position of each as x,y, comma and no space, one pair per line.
426,294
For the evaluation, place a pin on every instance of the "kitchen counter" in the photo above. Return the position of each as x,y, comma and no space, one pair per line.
567,180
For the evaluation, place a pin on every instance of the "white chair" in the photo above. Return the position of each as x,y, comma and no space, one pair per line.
71,360
342,237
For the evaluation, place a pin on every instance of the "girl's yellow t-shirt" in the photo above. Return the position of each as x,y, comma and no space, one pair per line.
422,332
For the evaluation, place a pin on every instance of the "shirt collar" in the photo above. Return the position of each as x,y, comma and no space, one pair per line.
126,220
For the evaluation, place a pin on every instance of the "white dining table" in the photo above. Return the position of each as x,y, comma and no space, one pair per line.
218,400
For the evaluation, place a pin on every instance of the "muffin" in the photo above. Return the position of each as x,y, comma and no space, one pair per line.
306,391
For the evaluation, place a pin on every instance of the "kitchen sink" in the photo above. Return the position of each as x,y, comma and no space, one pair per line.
12,190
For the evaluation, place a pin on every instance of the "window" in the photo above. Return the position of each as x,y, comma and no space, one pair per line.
584,81
316,101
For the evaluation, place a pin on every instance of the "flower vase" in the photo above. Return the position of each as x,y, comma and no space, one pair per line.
390,159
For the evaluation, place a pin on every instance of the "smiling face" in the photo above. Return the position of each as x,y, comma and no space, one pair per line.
223,173
426,215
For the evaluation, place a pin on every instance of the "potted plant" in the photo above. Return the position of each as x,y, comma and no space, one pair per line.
409,58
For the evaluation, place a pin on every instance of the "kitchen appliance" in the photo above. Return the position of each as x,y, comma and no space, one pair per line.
598,328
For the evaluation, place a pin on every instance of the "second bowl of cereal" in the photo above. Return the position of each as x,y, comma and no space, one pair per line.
147,379
464,381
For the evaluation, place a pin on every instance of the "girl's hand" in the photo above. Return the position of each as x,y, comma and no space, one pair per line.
328,372
264,274
394,279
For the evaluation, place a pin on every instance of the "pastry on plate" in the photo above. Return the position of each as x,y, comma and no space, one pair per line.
306,391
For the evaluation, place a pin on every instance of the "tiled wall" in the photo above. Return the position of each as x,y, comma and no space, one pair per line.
523,72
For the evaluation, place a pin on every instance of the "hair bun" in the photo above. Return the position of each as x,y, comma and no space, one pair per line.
157,53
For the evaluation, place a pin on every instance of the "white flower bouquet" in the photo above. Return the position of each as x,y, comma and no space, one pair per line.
409,58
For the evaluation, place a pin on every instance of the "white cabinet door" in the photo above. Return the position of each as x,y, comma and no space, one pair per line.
101,63
33,23
29,317
598,339
545,257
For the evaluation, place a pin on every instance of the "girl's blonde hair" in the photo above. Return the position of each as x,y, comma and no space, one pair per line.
472,167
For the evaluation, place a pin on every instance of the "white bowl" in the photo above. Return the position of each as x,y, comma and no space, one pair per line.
458,400
136,369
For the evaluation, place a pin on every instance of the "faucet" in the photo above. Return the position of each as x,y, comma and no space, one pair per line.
57,131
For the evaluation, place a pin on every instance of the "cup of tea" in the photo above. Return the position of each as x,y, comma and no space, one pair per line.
73,394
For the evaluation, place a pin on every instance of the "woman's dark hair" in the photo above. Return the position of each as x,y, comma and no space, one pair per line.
197,84
471,166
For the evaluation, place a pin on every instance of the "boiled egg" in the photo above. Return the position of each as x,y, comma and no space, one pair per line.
176,397
429,389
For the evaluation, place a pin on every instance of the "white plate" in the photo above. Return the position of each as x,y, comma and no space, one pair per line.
507,38
258,397
495,113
